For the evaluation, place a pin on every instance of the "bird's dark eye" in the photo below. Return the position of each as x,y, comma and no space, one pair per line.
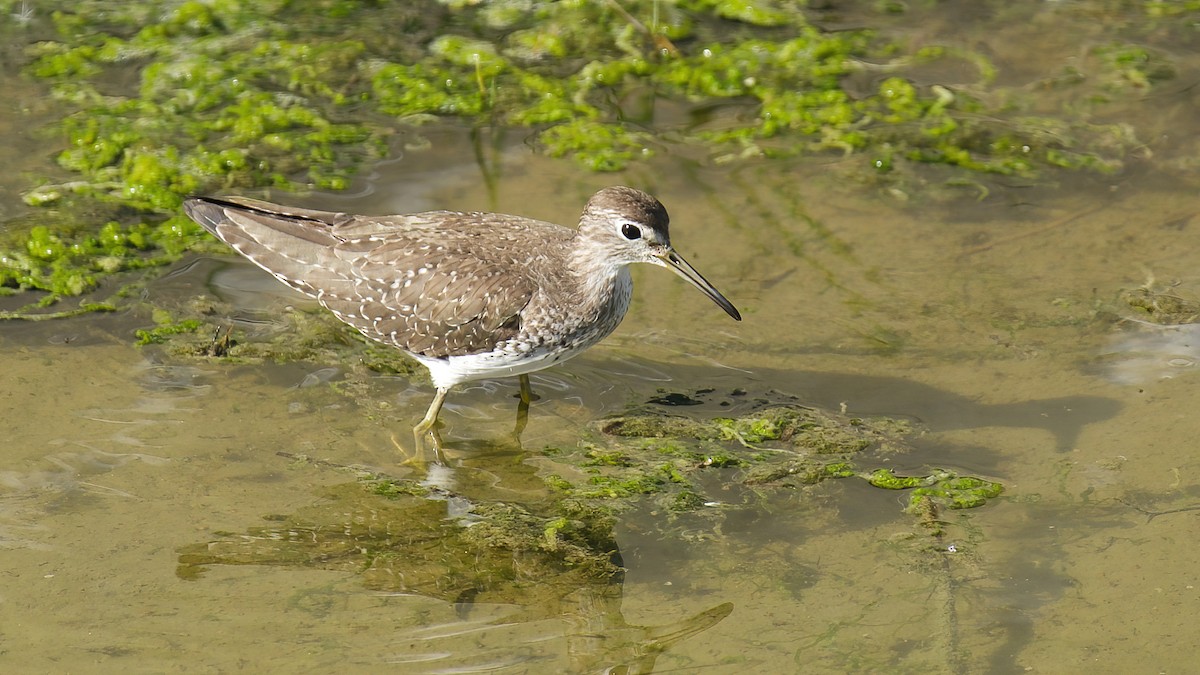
631,231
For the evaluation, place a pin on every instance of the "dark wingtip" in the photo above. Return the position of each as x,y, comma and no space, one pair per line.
195,202
206,211
210,212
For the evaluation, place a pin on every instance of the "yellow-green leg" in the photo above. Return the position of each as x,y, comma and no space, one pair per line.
526,397
428,425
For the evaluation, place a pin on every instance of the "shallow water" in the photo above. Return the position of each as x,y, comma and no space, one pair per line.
990,323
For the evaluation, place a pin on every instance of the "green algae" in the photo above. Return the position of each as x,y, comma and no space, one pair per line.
942,487
655,426
774,446
1160,304
67,259
166,326
168,98
607,457
394,488
803,428
886,479
798,472
958,492
223,102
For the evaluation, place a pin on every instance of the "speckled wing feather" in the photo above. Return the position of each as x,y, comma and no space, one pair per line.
293,245
442,291
400,280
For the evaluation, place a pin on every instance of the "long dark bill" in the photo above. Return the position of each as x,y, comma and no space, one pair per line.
678,265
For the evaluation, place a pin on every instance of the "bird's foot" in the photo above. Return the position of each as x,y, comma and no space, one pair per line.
426,449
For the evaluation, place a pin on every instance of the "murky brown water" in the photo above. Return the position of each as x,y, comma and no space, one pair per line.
976,318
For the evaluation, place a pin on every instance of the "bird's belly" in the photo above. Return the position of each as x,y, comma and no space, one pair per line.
452,370
552,333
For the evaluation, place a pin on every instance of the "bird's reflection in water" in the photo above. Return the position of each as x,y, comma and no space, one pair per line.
402,538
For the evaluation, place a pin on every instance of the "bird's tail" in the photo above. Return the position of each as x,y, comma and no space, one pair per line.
294,245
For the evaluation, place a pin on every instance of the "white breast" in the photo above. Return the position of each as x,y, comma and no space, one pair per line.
566,337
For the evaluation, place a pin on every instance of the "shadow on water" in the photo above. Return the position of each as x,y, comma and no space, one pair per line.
604,387
939,410
936,409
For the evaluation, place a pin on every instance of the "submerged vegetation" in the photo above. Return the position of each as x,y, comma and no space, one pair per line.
1161,304
402,533
162,99
400,536
687,464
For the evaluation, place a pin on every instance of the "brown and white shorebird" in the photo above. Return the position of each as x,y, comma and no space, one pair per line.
469,295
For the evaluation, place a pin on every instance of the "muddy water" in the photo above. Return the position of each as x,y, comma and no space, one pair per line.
990,323
976,320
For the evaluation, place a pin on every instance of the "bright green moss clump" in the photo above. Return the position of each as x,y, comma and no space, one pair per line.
943,487
166,326
71,262
959,492
886,479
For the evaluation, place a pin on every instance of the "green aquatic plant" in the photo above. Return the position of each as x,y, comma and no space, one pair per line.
777,446
1161,304
71,260
958,492
888,480
942,487
166,326
166,98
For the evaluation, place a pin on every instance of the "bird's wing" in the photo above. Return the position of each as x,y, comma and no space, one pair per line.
403,280
433,292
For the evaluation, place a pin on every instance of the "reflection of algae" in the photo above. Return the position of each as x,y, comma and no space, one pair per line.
396,535
398,538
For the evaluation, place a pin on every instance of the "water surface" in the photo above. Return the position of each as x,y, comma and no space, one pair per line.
992,323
